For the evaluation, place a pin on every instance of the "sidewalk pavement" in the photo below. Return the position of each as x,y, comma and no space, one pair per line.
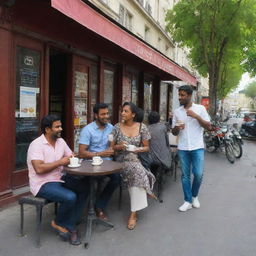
224,225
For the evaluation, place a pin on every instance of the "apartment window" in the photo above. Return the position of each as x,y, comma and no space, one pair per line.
147,33
148,8
125,17
121,14
128,20
141,2
159,43
166,50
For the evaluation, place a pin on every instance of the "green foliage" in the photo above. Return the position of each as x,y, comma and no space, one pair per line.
216,32
230,73
250,90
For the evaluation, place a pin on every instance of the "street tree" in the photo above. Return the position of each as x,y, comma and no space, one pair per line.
230,74
215,33
250,91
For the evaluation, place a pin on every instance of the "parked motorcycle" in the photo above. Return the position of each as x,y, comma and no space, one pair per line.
248,129
220,138
237,142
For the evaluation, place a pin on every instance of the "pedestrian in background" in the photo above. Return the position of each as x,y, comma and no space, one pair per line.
189,122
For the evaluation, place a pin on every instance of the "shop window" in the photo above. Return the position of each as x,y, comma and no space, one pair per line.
27,101
109,89
94,88
163,102
135,90
147,98
170,100
130,87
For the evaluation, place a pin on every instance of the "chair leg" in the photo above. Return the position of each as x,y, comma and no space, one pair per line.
160,172
39,209
120,197
21,219
55,208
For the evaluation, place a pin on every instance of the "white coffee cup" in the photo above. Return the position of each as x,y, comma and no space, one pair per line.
131,147
97,160
110,137
181,124
74,161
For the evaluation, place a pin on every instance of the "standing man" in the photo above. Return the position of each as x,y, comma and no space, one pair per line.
94,141
46,157
189,122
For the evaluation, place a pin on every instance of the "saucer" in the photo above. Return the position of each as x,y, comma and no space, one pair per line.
131,150
74,166
97,163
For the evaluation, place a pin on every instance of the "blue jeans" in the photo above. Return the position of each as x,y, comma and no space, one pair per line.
191,160
107,192
71,197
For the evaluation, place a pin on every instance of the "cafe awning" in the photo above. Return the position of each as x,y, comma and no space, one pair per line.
94,21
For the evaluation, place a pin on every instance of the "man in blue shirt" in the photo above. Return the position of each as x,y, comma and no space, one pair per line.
94,141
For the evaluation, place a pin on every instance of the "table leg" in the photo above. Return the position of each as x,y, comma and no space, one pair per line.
91,217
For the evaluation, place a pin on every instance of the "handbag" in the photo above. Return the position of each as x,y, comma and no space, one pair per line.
145,157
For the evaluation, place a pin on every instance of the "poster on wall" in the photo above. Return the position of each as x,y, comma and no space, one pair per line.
81,81
205,102
80,104
28,101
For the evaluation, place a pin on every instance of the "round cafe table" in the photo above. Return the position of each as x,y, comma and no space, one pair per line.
87,169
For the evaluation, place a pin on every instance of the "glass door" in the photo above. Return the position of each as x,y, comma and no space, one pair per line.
27,111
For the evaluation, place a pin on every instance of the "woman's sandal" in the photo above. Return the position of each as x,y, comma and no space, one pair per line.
153,196
131,223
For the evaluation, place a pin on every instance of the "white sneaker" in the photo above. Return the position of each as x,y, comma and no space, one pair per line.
186,206
195,202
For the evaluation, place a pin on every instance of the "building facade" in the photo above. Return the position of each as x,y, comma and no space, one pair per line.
146,19
61,57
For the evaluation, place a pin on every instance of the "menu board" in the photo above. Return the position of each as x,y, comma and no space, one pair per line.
27,101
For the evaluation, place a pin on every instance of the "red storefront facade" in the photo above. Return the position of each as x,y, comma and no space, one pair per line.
61,57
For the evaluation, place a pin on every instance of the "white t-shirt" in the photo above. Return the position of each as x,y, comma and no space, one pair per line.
191,137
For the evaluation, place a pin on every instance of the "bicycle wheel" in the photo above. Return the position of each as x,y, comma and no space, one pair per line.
229,152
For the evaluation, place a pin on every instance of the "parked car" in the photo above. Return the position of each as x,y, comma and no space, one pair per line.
249,116
248,129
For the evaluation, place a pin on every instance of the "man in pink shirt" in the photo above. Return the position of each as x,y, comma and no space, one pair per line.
46,157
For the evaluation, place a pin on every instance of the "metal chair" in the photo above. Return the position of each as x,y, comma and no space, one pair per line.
39,203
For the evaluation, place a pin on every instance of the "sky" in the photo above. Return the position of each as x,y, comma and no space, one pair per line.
246,79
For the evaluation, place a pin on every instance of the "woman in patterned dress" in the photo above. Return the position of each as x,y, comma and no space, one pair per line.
136,178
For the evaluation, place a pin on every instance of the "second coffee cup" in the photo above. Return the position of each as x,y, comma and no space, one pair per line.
97,160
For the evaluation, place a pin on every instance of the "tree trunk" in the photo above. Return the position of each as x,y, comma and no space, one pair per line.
212,94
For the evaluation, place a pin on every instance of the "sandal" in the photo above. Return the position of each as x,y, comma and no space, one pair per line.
62,232
131,223
100,214
153,196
